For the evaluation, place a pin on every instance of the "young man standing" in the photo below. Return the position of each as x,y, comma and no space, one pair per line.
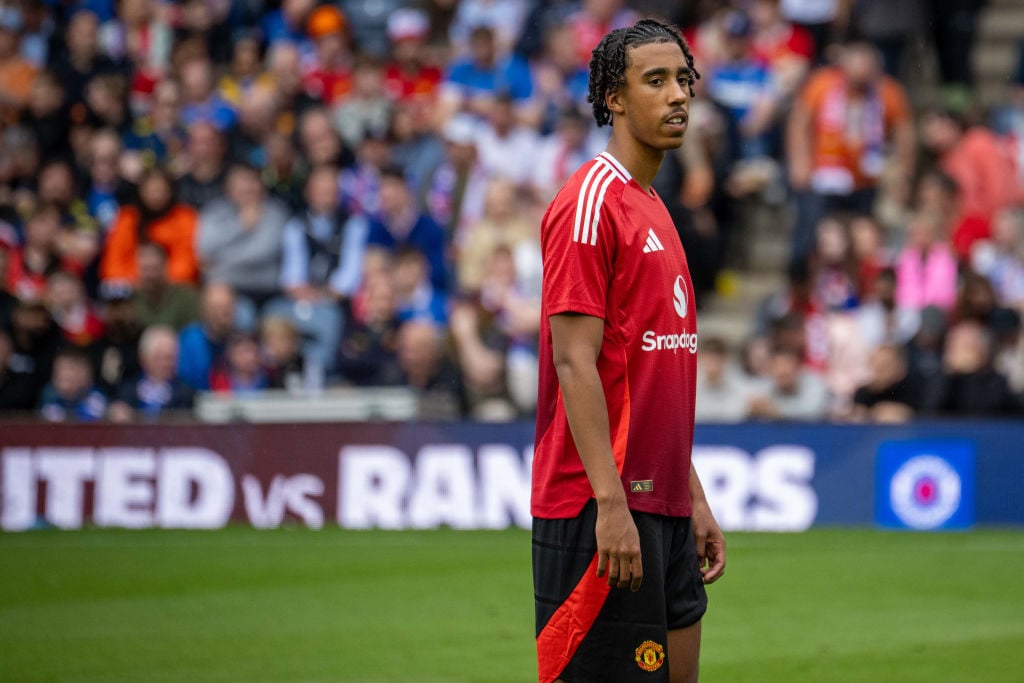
623,538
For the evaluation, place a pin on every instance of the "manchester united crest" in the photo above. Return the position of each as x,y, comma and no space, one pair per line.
650,656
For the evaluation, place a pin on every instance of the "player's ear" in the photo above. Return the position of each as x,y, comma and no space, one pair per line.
613,100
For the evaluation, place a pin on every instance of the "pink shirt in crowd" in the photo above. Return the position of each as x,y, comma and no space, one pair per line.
927,281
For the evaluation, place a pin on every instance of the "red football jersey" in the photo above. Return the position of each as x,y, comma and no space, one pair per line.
611,251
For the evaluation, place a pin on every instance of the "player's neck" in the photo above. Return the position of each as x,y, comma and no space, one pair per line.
641,161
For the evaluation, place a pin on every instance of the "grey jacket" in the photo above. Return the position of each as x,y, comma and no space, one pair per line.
248,260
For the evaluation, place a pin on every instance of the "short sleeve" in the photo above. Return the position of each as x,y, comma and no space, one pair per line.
894,99
579,246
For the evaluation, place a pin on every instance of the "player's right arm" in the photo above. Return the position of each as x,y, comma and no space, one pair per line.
576,344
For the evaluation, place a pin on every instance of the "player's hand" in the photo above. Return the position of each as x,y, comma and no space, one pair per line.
618,546
710,543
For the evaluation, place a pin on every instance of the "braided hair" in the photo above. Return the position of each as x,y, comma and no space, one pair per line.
609,61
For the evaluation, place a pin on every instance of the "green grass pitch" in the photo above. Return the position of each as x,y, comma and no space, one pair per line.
303,606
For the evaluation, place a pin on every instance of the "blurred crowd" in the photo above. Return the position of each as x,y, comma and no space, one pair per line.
240,196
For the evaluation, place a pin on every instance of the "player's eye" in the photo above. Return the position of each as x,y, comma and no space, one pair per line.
656,82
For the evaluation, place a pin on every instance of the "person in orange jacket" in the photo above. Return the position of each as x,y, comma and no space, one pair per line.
156,217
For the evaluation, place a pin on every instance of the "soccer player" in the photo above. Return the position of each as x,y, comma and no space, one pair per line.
623,538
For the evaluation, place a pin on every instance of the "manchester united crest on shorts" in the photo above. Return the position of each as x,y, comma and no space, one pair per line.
650,656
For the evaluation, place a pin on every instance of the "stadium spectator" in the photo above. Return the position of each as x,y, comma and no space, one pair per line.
257,118
202,342
80,58
115,356
968,384
242,371
837,134
367,108
1001,259
505,19
40,256
722,389
35,340
742,85
926,267
71,309
504,224
245,76
880,319
239,238
330,77
410,75
833,267
822,19
473,81
281,348
323,250
284,69
155,217
17,389
157,137
201,103
453,192
156,389
791,392
287,24
399,224
319,142
368,353
505,149
47,117
359,184
560,80
787,49
869,251
79,239
206,176
568,147
593,20
105,189
71,396
976,159
17,74
892,395
369,24
427,369
1009,348
414,144
416,296
157,300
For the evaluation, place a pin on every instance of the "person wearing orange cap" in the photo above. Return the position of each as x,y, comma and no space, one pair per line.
331,77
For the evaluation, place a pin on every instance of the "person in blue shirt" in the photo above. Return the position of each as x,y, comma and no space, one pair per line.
202,342
742,86
399,223
71,395
473,82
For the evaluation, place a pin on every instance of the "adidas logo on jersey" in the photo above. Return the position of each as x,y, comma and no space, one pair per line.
653,243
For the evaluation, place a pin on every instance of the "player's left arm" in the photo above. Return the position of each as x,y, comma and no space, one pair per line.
706,533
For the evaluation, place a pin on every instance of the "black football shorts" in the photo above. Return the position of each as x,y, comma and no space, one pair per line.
588,632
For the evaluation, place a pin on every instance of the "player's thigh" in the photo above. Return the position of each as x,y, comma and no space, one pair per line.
684,654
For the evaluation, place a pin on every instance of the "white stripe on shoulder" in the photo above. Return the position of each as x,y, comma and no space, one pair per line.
615,162
579,202
605,162
593,207
597,210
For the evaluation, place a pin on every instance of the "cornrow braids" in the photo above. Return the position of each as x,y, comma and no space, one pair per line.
609,61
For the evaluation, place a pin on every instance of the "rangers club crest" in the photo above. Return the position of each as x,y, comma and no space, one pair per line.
650,656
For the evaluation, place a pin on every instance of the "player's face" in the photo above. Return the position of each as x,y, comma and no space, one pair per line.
654,102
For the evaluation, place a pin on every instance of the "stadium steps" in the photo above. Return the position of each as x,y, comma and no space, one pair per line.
1000,31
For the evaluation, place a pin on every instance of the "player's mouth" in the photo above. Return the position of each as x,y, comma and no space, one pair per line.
676,120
